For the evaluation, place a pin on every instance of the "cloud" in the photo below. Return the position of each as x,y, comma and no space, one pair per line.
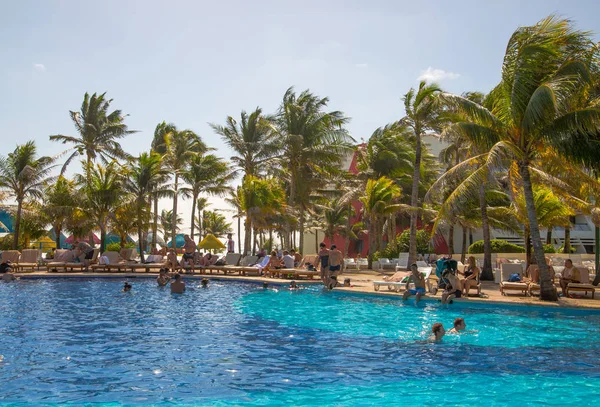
363,65
39,67
434,75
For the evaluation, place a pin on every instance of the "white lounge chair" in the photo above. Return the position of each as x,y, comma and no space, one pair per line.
397,285
29,259
508,269
584,285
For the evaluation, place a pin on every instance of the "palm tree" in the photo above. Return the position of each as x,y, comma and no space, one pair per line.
333,215
206,173
252,140
166,223
378,201
214,223
180,147
59,203
529,112
422,116
102,189
126,220
22,175
234,200
143,179
314,144
99,131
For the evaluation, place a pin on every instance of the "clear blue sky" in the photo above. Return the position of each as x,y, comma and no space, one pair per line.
195,62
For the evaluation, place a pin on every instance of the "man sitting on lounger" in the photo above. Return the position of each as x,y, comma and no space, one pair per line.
418,280
568,275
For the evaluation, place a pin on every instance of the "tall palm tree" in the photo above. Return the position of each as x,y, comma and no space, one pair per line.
99,131
102,189
379,200
125,220
252,140
529,112
422,116
144,176
333,216
234,200
59,203
166,223
180,147
207,174
24,175
314,144
214,223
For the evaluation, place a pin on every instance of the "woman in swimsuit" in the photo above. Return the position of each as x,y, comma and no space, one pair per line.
471,275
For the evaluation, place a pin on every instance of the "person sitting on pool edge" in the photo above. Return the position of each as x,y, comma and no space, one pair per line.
177,285
459,325
453,288
163,277
293,285
438,332
419,281
126,287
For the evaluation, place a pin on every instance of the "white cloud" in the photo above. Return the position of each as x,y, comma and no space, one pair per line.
363,65
434,75
39,67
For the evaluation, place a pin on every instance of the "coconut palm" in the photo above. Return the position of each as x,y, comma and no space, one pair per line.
252,140
103,193
333,217
214,223
314,144
234,201
180,147
23,175
143,179
379,200
207,174
529,112
99,131
166,223
125,220
422,116
59,203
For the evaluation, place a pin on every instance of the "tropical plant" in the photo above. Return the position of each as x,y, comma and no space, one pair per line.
102,189
530,111
99,131
166,223
314,142
422,116
498,246
207,174
23,175
379,200
59,204
125,221
214,223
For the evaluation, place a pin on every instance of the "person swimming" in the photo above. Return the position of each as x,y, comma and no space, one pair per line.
163,277
293,285
265,285
438,332
459,325
204,283
127,287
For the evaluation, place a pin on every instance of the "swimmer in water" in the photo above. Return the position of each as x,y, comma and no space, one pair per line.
204,283
438,332
126,287
459,325
293,285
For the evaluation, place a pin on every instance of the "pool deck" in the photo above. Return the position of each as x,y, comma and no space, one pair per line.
362,282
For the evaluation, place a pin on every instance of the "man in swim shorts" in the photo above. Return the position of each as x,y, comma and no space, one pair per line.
418,280
189,248
336,260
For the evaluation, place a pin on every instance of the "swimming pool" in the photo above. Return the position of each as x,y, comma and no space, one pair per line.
83,341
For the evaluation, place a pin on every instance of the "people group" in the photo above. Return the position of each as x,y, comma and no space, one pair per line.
438,331
331,262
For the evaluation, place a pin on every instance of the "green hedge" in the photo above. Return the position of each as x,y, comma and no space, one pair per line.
498,246
549,248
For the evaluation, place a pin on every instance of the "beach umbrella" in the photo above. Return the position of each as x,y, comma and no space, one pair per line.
179,241
71,239
210,242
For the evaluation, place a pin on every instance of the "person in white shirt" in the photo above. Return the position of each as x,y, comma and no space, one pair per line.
230,244
287,260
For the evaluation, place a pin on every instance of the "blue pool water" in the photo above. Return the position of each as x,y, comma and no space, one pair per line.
81,342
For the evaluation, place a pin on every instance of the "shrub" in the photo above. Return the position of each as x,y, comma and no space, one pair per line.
113,247
130,245
549,248
498,246
403,242
561,249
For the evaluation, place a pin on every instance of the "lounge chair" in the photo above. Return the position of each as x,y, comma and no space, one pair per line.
350,263
508,269
153,262
114,262
11,256
584,285
386,264
231,260
73,266
362,263
301,270
534,275
61,257
401,283
29,259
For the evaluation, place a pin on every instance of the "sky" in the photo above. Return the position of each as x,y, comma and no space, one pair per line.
195,62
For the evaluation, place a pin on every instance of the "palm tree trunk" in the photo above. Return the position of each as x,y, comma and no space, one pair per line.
463,252
17,228
247,233
301,239
316,240
195,197
371,244
174,217
102,238
451,239
527,235
547,290
254,243
270,240
348,229
549,236
486,272
140,237
567,247
155,223
201,224
239,234
597,253
414,200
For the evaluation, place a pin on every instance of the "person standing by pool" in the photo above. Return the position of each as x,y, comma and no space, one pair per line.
323,260
418,280
336,261
189,248
163,277
438,332
230,244
177,285
459,325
